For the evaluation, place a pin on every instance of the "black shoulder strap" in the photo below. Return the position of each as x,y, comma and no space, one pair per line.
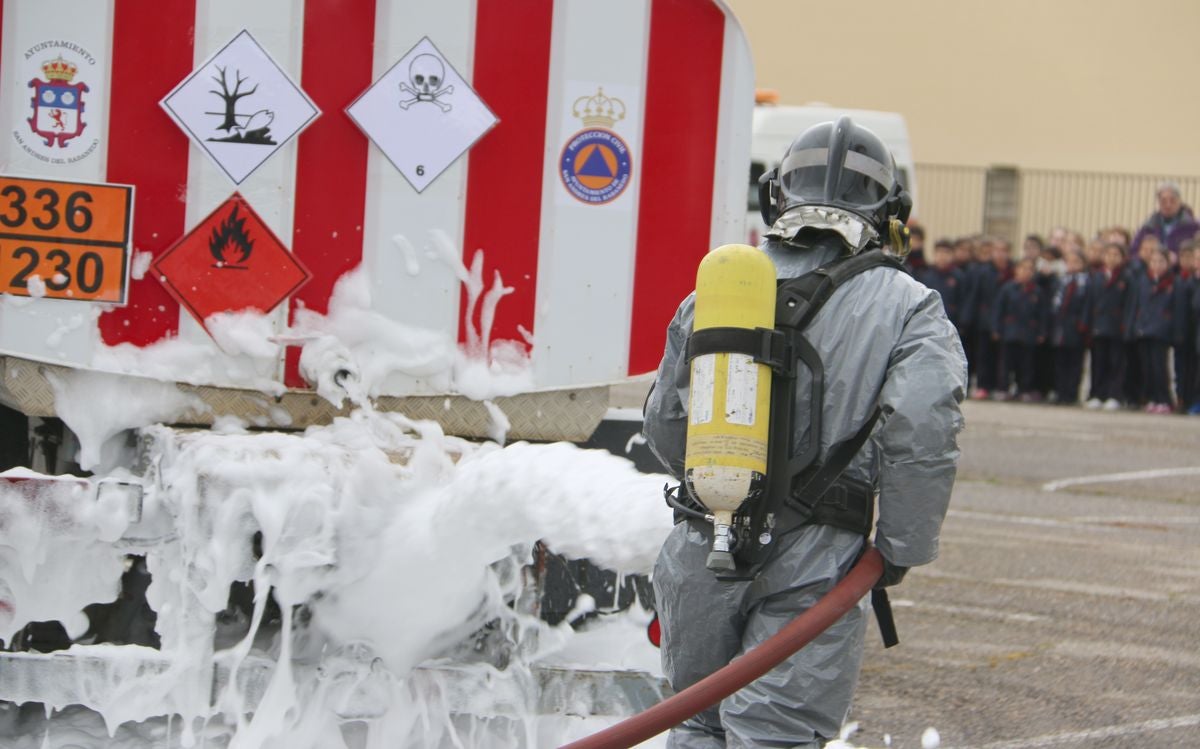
800,299
811,490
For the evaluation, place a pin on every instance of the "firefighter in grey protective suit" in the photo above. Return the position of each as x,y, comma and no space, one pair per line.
885,342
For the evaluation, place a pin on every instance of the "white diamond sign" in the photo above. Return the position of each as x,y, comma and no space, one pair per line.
240,107
422,114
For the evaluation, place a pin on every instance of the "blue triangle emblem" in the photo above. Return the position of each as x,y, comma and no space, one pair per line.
595,165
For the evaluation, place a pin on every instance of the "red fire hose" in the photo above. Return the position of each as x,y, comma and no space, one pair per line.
719,685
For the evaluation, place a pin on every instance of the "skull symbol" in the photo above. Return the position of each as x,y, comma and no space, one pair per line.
426,73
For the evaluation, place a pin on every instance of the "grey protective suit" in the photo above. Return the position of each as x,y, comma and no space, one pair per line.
883,338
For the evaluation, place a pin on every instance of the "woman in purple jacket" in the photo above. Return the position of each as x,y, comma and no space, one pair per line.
1173,222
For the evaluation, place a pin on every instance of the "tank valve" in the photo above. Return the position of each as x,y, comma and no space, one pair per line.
720,559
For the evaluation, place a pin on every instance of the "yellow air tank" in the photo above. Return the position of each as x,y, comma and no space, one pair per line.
729,408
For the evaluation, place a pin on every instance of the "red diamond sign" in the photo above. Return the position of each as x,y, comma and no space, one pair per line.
230,262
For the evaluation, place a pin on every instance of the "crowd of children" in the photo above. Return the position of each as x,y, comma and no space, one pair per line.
1029,322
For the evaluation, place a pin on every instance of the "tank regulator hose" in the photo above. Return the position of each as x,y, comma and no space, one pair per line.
718,685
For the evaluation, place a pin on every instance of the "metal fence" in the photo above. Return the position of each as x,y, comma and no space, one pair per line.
1087,202
954,200
950,200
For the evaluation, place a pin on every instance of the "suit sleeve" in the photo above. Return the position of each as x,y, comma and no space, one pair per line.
918,435
665,413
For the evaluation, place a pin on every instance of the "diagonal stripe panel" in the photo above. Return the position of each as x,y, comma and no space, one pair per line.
152,51
331,168
504,173
683,99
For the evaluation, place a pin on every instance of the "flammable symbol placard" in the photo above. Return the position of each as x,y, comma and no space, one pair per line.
230,262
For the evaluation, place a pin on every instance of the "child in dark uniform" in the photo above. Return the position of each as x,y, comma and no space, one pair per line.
1137,268
947,280
1185,325
988,278
1048,270
1069,331
968,326
1019,323
914,261
1194,408
1153,329
1110,294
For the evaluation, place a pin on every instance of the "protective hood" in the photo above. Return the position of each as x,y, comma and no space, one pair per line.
852,228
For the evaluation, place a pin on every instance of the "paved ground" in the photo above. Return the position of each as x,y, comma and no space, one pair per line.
1064,610
1056,615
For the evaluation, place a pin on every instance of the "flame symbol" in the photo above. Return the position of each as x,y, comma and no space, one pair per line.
231,235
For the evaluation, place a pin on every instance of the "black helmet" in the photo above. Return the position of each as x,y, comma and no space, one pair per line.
840,177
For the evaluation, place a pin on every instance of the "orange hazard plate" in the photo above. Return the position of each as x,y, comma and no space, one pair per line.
65,240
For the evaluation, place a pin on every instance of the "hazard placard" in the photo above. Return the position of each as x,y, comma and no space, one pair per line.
65,240
240,107
230,262
422,114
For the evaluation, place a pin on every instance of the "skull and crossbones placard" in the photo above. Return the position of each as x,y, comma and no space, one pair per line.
426,73
422,114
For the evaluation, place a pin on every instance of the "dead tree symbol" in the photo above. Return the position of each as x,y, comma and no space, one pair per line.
231,98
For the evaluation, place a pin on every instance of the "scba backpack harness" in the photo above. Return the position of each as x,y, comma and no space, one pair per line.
799,490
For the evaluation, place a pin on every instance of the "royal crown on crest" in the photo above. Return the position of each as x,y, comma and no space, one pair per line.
59,69
599,110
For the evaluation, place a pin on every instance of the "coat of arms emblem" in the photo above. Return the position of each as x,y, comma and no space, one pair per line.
57,103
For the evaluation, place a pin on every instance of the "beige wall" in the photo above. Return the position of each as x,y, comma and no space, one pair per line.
1096,85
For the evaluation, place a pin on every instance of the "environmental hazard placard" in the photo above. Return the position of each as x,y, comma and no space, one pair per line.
240,107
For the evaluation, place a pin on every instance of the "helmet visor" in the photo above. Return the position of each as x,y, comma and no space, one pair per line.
861,183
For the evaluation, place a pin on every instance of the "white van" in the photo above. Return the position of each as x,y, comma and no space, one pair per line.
775,127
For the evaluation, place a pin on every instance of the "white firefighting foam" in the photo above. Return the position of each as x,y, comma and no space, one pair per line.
373,348
390,563
47,530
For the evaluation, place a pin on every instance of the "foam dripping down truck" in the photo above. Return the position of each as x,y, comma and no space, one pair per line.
278,281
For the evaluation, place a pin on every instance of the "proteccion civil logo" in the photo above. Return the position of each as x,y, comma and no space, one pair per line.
596,164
